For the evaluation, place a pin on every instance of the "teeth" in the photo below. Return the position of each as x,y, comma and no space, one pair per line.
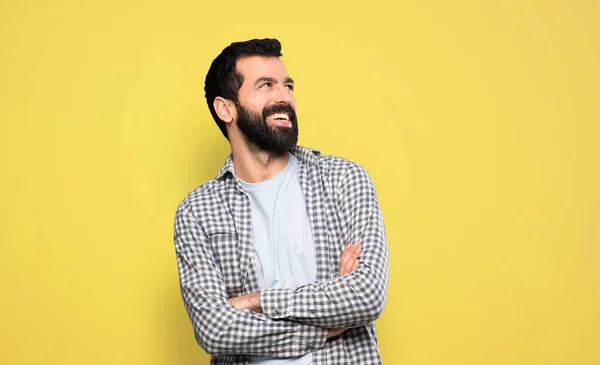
280,116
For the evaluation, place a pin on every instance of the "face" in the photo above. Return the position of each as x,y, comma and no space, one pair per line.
266,113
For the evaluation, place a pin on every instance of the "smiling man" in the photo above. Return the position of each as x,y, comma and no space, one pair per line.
283,256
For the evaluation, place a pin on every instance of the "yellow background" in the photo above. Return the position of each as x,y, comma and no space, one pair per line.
478,122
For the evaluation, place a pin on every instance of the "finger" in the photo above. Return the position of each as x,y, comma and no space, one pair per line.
355,251
349,255
345,262
346,254
349,247
358,251
344,257
354,266
345,270
350,267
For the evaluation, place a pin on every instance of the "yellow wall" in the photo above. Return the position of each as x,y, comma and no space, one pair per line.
477,120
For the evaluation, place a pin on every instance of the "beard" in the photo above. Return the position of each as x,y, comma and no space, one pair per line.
274,139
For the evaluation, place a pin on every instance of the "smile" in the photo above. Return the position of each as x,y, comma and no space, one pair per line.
280,119
280,116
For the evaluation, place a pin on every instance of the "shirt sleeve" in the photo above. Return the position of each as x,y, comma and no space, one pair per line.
219,327
351,300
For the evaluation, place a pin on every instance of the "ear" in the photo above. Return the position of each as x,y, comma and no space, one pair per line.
225,109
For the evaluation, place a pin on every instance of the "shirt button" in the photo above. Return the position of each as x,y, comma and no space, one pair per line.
276,311
309,347
312,311
272,352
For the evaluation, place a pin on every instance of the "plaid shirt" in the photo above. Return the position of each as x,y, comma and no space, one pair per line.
213,241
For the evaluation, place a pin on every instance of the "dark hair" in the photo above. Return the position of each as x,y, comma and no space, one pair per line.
224,80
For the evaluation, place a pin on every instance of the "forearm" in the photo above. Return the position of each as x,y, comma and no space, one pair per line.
224,329
347,301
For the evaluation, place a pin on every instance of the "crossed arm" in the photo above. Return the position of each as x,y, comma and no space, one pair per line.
288,322
348,300
348,263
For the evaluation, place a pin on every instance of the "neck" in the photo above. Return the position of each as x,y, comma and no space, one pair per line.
253,165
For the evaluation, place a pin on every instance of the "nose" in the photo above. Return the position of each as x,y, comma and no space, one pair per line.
283,95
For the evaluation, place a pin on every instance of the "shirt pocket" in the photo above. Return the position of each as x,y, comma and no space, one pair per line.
225,249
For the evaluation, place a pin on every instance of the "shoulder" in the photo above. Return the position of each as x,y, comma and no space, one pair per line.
340,171
200,199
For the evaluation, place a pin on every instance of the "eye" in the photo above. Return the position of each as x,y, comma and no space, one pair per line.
266,84
290,87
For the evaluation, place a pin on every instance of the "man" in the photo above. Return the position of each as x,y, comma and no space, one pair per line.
283,256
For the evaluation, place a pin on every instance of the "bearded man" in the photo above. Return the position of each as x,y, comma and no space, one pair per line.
283,256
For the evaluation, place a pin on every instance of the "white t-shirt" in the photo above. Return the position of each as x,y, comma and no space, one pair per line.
283,241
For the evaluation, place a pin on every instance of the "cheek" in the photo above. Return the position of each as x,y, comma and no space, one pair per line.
257,104
251,100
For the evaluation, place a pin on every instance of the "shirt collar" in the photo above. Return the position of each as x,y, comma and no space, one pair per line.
303,154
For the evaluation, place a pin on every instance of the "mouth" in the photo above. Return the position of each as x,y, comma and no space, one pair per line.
279,119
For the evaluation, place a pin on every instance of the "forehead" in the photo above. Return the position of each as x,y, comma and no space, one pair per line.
254,67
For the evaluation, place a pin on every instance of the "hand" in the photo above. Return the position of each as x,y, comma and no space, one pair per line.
349,260
249,301
348,263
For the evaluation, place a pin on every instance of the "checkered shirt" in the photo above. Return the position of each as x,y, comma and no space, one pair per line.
215,256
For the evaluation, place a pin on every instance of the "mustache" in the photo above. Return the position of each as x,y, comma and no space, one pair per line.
279,108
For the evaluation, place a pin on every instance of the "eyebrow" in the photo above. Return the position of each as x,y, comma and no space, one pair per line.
288,80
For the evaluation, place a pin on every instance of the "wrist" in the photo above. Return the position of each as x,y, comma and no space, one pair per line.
255,301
